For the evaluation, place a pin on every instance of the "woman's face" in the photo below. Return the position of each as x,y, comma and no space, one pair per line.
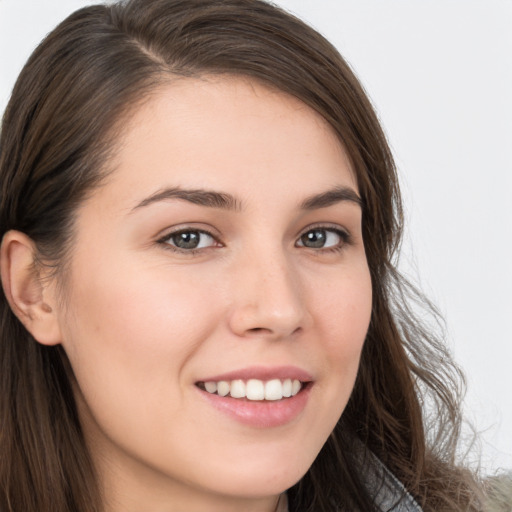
225,247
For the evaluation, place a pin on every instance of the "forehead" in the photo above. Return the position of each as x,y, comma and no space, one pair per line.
227,132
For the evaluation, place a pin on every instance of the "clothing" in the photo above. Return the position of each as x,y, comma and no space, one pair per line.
390,495
282,505
389,492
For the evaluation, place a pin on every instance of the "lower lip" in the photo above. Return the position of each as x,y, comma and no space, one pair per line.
262,414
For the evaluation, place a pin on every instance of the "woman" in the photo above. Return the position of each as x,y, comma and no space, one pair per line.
199,217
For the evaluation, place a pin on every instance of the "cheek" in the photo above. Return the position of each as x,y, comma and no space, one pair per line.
138,302
129,339
131,331
344,313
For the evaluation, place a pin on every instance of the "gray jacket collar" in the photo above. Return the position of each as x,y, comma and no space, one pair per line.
390,494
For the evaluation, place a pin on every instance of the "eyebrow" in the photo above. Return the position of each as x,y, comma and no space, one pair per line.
224,201
208,198
331,197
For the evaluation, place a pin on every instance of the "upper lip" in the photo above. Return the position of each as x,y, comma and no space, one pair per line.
262,373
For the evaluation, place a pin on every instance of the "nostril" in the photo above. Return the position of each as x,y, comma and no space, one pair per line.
258,330
265,331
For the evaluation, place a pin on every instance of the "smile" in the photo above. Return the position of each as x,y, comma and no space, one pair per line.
254,389
261,397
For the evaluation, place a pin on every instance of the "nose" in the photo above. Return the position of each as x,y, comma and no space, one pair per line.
268,299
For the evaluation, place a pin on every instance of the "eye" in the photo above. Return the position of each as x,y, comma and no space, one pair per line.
323,238
189,240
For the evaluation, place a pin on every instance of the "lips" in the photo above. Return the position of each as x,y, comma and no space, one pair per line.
257,396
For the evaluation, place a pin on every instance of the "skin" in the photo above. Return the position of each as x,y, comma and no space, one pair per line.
143,322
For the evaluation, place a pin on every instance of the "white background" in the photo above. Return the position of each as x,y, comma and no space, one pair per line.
440,75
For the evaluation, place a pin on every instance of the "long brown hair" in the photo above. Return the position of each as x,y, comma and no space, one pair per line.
58,133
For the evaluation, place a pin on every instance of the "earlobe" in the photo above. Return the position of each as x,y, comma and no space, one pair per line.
31,300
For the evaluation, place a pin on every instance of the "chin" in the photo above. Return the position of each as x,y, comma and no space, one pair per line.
258,485
263,476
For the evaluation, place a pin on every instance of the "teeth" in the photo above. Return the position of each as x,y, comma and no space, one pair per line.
238,389
287,388
223,388
255,389
211,387
274,390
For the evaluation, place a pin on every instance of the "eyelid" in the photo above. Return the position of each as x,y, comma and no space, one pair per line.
324,225
200,227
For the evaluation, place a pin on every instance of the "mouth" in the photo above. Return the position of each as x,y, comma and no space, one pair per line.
254,389
259,396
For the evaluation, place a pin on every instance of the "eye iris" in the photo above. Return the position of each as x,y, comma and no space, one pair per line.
315,239
186,240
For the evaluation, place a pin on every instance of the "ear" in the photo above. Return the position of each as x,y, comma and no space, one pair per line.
31,298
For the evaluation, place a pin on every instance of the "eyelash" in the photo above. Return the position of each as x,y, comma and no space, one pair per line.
344,236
